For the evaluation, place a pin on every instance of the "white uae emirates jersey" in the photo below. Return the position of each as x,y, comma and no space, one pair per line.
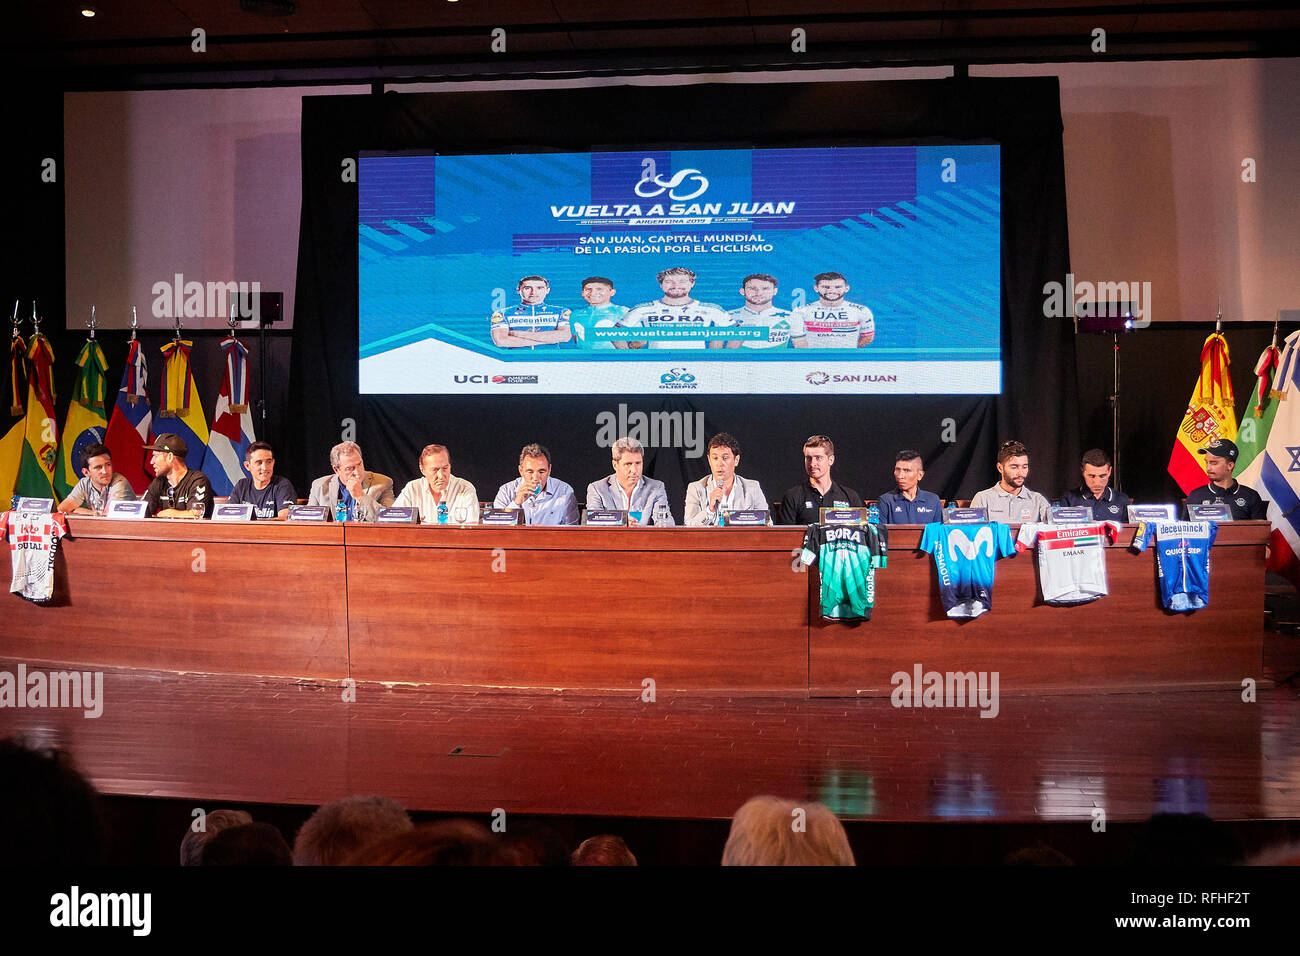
691,315
835,327
1071,559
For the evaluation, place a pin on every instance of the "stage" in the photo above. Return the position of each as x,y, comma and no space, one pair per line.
220,740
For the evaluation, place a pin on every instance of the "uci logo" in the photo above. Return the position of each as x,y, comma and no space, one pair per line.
676,375
645,187
478,379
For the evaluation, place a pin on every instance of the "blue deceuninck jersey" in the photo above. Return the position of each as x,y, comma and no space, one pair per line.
964,556
532,318
1182,560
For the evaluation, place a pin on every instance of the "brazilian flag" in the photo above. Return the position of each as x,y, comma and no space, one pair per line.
86,422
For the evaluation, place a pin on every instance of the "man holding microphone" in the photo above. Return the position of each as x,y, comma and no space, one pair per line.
722,489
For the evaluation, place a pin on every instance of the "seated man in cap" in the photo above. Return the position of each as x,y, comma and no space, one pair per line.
1242,500
363,493
178,491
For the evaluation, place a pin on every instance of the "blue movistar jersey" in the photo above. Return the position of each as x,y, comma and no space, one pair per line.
964,556
532,318
583,321
1182,560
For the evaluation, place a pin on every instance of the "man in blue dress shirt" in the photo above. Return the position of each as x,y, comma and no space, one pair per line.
908,504
543,499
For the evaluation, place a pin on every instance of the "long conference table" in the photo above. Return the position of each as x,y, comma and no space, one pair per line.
711,611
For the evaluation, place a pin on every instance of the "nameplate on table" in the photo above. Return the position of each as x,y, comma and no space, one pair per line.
402,515
128,510
1138,513
746,517
235,512
1215,511
605,518
966,516
501,516
841,515
1071,514
37,505
308,513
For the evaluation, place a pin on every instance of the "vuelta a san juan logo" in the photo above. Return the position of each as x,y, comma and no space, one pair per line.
817,378
677,378
651,184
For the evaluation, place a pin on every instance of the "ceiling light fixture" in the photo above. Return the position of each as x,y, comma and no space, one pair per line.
88,12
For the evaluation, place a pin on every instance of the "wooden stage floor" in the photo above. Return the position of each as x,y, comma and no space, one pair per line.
1042,759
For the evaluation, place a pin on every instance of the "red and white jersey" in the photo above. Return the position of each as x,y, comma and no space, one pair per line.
33,538
835,327
1071,559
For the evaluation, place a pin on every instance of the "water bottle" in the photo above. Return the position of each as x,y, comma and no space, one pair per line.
873,515
722,516
442,512
340,511
661,515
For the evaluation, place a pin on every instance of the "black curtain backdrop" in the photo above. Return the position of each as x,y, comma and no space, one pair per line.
1039,403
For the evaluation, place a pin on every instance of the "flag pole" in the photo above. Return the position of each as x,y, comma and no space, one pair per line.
135,324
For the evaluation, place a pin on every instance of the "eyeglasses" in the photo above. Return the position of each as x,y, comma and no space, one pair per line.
817,440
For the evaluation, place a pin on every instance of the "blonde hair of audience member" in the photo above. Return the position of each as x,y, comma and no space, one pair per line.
338,830
767,831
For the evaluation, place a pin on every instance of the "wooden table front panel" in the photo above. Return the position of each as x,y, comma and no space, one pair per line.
579,608
1124,641
259,598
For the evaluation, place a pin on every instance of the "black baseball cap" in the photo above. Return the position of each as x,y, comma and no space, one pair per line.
169,442
1220,448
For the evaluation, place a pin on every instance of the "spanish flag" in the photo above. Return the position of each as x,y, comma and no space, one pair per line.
1210,414
85,423
40,429
180,410
11,445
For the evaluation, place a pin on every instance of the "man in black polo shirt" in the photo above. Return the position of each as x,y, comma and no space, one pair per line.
271,495
801,503
1095,493
1242,500
178,491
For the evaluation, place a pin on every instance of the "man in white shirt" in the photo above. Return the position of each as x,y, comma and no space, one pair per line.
681,319
439,487
722,489
1009,501
626,489
832,322
784,328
